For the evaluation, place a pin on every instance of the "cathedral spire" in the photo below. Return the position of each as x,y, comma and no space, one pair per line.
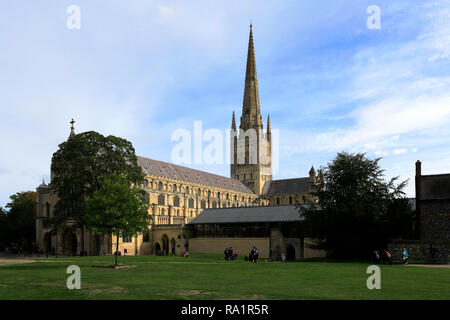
233,123
268,123
251,117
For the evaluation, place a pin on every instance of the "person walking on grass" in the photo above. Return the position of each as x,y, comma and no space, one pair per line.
405,256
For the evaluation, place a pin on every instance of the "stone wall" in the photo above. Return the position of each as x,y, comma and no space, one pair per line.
420,250
241,246
435,219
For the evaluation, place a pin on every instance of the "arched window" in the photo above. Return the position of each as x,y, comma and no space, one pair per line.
235,197
47,209
228,196
199,192
209,193
146,236
176,201
160,186
203,204
191,203
187,190
145,183
174,188
214,204
161,199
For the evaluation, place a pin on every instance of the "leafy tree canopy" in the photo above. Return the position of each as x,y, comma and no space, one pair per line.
18,223
80,166
118,208
357,210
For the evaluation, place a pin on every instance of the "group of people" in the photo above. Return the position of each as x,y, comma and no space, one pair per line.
385,256
229,255
382,258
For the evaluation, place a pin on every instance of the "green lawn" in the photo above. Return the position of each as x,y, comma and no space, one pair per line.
210,277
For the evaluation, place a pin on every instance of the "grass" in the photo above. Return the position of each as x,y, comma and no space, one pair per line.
204,276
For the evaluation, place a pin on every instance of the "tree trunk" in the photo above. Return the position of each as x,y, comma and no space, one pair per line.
117,249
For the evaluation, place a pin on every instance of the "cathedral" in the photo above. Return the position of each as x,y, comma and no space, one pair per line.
178,194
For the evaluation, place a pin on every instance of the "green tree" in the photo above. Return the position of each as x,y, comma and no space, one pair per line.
357,210
118,208
79,167
19,222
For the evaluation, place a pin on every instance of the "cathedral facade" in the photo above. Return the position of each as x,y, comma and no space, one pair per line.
177,194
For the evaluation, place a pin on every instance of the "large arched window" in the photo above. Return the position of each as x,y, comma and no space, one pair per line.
176,201
191,203
161,199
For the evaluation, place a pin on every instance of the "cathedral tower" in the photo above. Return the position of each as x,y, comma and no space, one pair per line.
251,160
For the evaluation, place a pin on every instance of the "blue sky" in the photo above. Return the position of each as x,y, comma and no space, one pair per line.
141,69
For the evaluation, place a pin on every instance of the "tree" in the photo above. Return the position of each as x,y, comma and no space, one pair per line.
118,208
79,168
19,222
356,210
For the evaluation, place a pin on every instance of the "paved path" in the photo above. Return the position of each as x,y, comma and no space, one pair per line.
438,266
7,261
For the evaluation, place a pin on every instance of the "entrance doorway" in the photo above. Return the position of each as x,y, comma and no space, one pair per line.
290,253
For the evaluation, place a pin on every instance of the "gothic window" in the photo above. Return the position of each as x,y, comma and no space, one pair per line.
176,201
214,204
174,188
145,183
209,193
191,203
161,199
187,190
146,236
228,196
199,192
163,212
235,197
160,186
203,204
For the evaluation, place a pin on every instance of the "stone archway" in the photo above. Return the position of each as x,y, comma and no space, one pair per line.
165,244
157,248
173,247
290,253
69,242
47,242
